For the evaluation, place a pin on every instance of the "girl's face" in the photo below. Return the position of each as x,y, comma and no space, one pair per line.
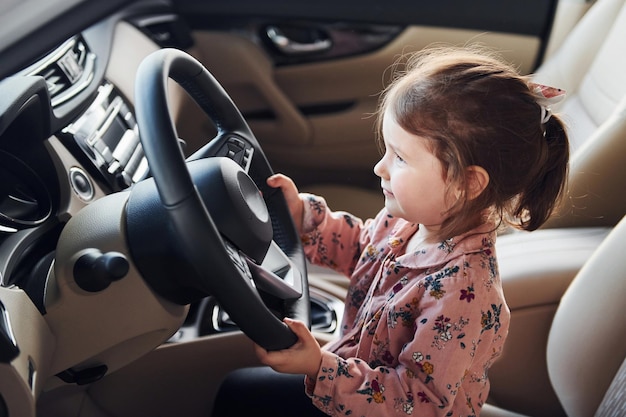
411,177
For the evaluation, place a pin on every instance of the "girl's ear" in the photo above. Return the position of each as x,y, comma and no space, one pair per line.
477,181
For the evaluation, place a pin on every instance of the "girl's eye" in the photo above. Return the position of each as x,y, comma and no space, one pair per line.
399,159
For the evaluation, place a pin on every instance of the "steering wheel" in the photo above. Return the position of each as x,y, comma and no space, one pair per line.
210,225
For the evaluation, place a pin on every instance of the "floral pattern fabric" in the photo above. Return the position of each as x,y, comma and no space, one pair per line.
420,329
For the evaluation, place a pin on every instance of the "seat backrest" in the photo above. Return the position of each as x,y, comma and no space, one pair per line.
591,66
587,341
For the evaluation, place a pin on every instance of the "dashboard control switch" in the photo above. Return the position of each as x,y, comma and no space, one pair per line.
95,271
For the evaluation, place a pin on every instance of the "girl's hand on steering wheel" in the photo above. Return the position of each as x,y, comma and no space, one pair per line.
290,191
304,357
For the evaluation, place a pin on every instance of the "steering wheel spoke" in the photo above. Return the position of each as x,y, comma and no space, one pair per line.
277,275
229,146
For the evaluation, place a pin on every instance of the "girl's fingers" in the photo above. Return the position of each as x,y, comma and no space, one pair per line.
297,327
278,180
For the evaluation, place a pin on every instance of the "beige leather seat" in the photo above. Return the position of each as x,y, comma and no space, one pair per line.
587,340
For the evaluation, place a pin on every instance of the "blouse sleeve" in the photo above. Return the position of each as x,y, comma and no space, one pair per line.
456,330
332,239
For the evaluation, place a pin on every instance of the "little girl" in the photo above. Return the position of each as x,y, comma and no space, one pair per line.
469,145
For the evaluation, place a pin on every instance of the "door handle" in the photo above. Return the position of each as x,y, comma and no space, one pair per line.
291,47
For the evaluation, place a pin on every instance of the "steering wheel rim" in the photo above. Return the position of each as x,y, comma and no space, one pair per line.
193,224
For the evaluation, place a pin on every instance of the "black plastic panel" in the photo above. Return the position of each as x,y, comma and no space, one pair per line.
530,17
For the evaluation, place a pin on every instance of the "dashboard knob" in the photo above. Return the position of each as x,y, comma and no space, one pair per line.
95,271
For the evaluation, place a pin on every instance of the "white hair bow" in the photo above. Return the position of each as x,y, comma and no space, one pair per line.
546,96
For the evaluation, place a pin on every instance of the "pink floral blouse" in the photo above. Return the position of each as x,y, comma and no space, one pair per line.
420,330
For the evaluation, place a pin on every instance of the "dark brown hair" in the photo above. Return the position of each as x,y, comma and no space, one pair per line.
475,109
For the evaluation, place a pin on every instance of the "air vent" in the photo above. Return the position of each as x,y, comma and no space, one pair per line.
68,70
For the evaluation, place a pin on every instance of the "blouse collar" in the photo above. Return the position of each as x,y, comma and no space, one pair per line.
430,254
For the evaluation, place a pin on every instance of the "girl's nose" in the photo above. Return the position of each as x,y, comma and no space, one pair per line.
379,168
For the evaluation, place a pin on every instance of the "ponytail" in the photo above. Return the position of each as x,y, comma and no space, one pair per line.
536,204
